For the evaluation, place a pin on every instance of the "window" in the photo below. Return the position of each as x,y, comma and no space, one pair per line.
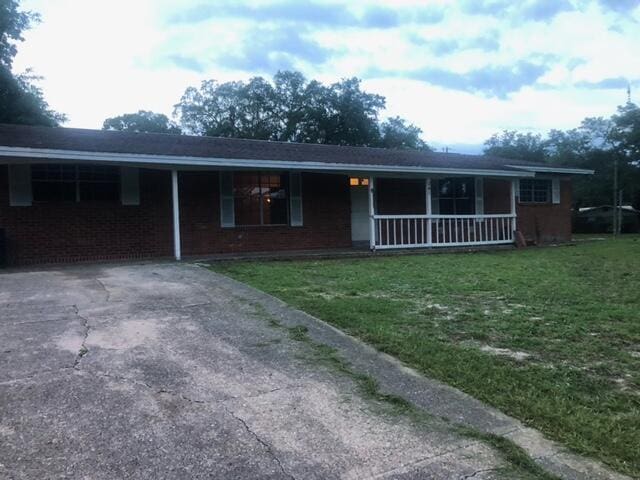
456,196
358,182
54,183
535,191
260,198
74,183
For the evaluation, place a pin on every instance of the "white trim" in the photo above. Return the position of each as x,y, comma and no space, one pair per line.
515,189
555,190
571,171
428,209
176,214
293,196
412,231
226,177
479,194
170,160
372,212
20,186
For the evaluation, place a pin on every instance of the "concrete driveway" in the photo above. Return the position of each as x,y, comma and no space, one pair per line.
162,371
167,371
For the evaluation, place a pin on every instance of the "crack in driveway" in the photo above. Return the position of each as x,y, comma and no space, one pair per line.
264,444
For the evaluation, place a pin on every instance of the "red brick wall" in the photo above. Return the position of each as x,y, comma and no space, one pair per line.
548,222
497,196
326,205
66,232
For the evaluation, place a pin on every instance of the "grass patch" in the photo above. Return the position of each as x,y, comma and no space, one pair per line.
550,336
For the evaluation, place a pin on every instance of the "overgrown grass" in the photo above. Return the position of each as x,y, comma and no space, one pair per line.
571,315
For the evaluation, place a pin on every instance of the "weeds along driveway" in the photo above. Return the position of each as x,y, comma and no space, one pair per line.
171,371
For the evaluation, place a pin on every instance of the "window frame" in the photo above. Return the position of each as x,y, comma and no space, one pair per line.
76,181
532,191
454,198
285,185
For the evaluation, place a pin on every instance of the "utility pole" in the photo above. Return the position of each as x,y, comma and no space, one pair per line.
620,212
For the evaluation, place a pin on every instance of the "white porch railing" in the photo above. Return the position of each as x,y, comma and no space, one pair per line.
415,231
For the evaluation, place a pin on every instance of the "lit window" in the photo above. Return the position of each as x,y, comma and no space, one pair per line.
358,182
260,198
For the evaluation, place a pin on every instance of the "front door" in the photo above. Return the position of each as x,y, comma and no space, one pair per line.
360,214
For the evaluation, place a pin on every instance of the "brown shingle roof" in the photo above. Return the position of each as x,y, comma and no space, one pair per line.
85,140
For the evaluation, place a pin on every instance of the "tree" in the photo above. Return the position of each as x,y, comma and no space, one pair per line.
605,145
516,145
12,23
142,121
292,109
396,133
21,100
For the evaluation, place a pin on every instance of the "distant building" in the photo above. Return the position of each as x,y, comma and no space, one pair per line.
600,219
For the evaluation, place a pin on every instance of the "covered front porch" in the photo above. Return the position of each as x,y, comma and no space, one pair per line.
396,213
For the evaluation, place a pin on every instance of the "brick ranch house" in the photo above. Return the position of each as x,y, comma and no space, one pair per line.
84,195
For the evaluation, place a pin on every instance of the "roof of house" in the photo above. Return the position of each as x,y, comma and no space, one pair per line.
99,145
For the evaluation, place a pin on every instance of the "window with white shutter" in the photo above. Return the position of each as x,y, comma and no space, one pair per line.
295,199
227,215
20,193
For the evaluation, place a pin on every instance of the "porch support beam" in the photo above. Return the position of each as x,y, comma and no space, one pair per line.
514,189
427,189
372,212
176,214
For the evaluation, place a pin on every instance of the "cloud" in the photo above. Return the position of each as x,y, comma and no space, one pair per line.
488,42
491,81
284,10
544,10
380,17
605,84
269,50
186,63
531,10
620,6
310,13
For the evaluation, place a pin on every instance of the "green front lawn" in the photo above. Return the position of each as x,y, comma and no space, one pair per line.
550,336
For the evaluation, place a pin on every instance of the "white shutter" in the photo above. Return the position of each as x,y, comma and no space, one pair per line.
20,194
227,213
435,196
295,199
555,190
479,196
129,186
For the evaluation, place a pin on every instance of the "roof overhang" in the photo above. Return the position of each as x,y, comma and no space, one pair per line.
171,161
567,171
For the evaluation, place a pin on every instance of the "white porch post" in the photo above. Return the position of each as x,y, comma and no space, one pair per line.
176,214
514,189
427,190
372,212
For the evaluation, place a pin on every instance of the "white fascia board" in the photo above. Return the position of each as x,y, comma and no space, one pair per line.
570,171
222,163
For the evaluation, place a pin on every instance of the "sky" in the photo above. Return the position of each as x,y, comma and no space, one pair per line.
460,70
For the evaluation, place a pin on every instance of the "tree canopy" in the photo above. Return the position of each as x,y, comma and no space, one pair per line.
21,100
142,121
595,144
293,109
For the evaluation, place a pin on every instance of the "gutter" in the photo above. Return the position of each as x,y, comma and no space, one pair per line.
569,171
227,163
